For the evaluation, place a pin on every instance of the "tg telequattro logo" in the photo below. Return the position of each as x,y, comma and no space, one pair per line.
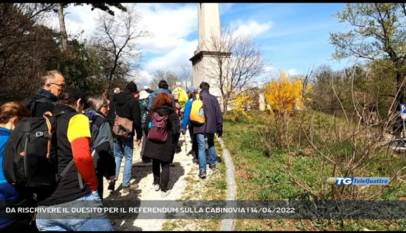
358,180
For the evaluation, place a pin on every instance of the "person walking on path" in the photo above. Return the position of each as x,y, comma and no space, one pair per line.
78,185
163,87
10,114
162,152
102,141
186,124
53,84
125,106
143,99
213,124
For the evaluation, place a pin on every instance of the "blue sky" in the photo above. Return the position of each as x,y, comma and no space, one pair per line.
299,36
291,36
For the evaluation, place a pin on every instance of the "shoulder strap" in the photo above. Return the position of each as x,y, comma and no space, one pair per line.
47,116
49,126
66,169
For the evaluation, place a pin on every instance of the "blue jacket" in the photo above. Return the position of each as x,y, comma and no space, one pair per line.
7,191
186,114
213,116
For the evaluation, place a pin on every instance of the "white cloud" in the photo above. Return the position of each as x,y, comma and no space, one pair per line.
175,60
271,72
78,19
142,77
250,28
292,72
269,69
168,25
171,27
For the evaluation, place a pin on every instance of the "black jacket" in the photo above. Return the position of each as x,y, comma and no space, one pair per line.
68,188
165,151
42,102
125,105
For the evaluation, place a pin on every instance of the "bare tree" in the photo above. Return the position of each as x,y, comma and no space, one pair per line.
36,11
62,28
59,8
233,73
117,37
185,75
170,77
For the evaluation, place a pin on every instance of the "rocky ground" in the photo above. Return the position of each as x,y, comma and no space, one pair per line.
142,189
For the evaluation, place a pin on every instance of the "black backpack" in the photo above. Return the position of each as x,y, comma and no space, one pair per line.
30,158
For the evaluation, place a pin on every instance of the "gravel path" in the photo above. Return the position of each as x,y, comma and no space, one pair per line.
141,187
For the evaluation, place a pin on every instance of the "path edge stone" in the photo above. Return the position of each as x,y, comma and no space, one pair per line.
228,224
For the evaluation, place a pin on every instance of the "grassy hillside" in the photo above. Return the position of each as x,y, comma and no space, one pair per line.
300,171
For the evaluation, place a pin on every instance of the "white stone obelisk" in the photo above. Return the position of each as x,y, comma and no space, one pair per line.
204,59
209,25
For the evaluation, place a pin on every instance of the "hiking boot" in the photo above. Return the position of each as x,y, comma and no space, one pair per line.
202,174
111,185
125,191
212,166
133,186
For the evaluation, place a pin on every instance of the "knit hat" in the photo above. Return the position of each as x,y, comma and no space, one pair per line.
132,87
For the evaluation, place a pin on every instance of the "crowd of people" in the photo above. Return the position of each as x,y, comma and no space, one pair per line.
88,137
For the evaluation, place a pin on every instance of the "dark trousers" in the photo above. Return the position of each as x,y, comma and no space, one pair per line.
161,178
194,142
100,185
144,141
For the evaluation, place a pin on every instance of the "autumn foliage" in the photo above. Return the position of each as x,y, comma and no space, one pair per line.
284,95
239,106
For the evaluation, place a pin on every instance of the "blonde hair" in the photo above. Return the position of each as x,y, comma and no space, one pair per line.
96,103
49,75
12,109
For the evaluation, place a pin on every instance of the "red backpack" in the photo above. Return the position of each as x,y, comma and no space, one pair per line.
158,130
